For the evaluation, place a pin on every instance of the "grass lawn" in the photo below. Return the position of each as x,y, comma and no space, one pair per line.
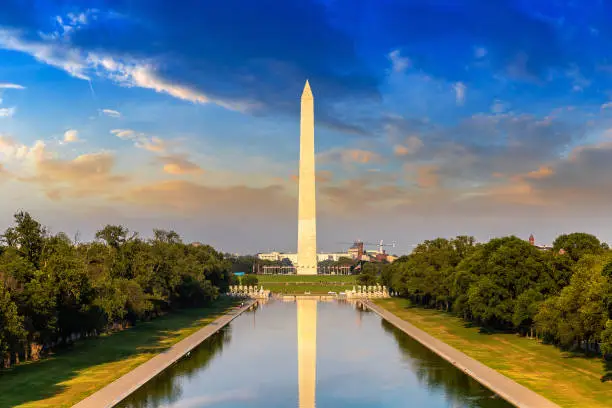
315,284
300,289
69,376
296,279
567,379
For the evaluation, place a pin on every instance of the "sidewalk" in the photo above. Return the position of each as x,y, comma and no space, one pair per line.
509,390
119,389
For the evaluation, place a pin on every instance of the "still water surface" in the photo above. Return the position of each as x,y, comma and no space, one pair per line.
361,361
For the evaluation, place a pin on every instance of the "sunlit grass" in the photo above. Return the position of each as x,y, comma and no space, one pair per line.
263,279
313,289
315,284
567,379
69,376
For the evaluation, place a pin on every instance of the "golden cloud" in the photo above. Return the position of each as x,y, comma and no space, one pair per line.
427,176
179,165
542,172
11,150
349,156
361,156
515,192
357,196
198,199
87,174
400,150
153,144
142,141
412,145
71,136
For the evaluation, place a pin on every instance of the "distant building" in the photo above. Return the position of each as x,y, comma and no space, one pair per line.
356,251
543,247
383,256
292,257
196,244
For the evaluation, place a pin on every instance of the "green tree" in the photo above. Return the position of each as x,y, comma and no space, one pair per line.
511,266
12,332
169,237
28,236
54,290
369,274
526,308
578,315
606,339
578,244
249,280
114,235
345,261
427,275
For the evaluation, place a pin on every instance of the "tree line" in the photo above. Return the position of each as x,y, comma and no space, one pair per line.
561,296
54,290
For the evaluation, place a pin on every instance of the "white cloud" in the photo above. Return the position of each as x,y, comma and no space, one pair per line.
7,112
460,89
55,54
144,76
53,49
606,105
152,144
66,26
398,63
11,86
480,52
112,113
71,136
126,134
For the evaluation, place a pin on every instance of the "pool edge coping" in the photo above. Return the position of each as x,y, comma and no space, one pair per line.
113,393
508,389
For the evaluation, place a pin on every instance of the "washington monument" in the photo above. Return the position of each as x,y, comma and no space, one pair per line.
307,210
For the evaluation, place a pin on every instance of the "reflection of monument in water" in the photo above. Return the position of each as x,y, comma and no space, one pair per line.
307,351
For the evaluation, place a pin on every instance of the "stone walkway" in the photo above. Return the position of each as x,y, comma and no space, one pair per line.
119,389
506,388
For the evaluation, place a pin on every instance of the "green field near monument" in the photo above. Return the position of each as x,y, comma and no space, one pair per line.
568,379
315,284
303,288
65,378
300,279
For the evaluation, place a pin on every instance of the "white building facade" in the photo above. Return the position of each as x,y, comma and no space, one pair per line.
292,257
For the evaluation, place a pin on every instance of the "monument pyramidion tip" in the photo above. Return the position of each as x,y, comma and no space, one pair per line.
307,93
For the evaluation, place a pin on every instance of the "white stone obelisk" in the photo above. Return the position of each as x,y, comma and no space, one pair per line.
307,351
307,211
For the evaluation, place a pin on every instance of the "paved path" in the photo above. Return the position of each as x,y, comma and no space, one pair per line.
506,388
119,389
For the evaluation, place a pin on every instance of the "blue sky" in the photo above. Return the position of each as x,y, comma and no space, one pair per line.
433,118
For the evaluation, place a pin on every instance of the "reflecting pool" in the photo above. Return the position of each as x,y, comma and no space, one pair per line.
306,354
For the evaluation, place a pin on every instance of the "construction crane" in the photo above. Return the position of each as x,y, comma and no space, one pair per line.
380,245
